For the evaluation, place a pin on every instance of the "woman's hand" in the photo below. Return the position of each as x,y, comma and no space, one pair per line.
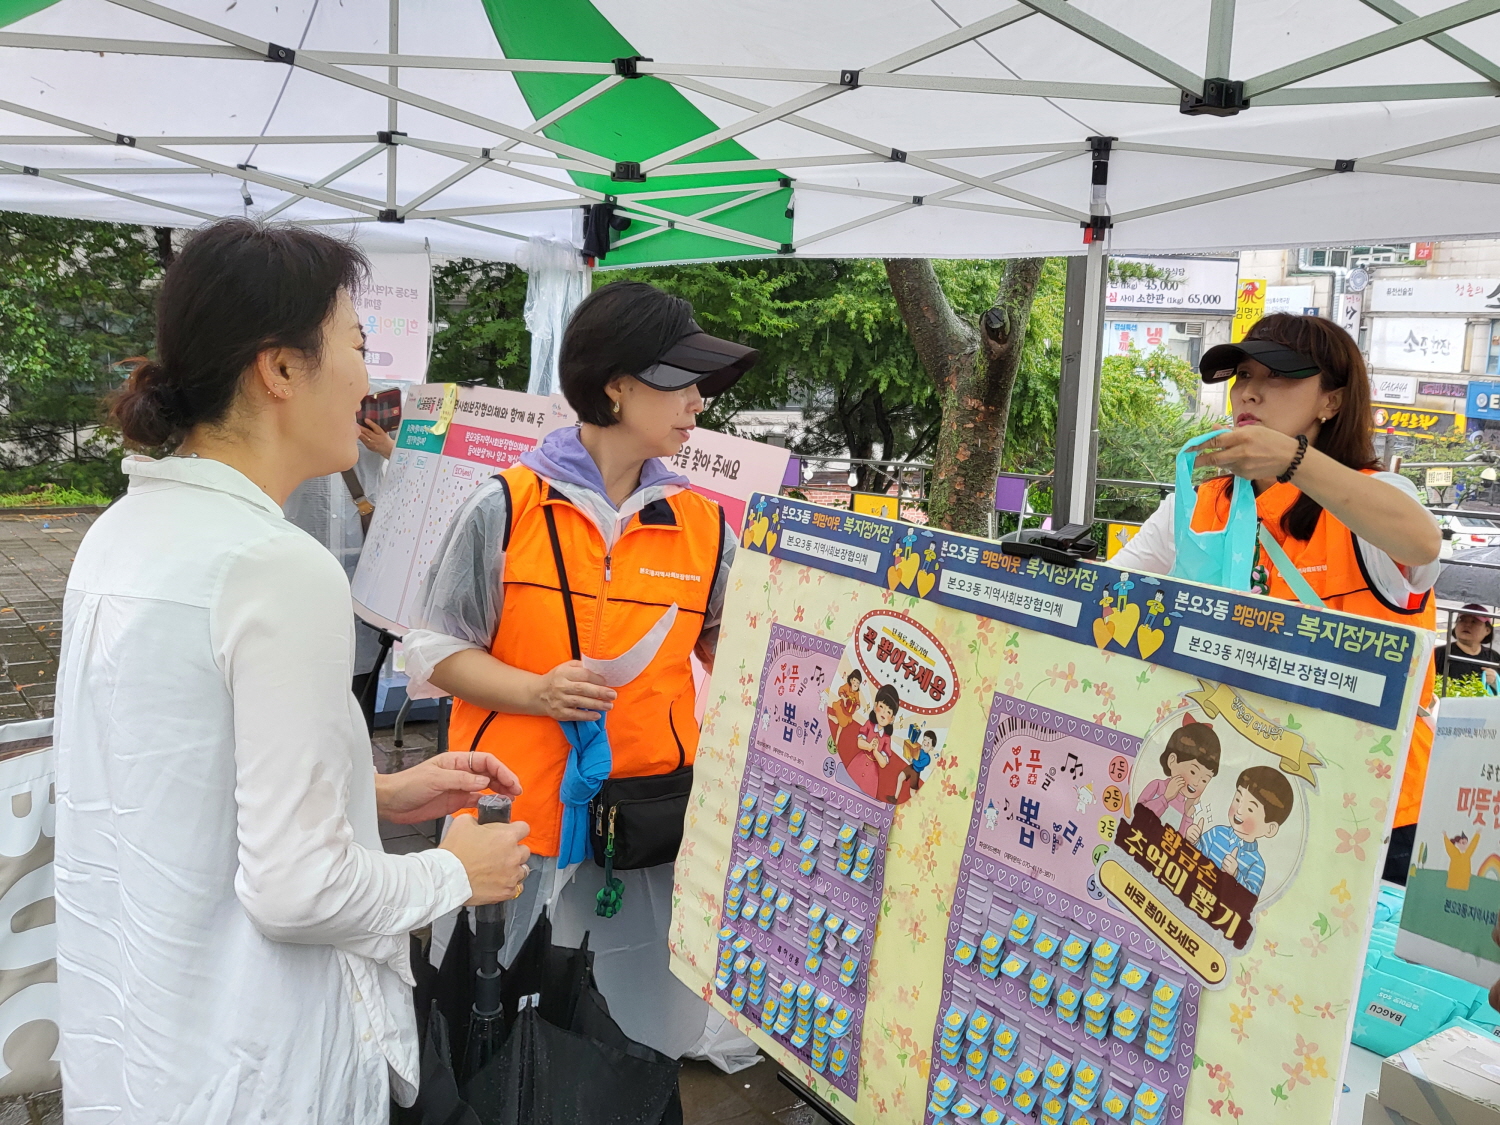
376,440
441,786
571,693
1252,452
493,857
1175,785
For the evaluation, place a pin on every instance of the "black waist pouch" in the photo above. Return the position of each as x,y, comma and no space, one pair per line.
640,819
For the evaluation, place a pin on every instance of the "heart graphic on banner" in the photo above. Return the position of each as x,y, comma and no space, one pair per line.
1123,623
892,577
1089,919
1103,632
925,581
770,541
1149,640
909,568
758,530
1051,898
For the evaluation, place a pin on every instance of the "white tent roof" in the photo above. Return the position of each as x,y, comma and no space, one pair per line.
964,132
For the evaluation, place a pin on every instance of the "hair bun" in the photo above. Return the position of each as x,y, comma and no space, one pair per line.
147,409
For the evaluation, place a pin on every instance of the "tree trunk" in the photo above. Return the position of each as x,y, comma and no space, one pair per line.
164,252
974,373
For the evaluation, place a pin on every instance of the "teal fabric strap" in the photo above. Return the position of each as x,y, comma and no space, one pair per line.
1289,573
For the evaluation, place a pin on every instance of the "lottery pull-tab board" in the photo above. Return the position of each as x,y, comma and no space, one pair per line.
844,734
1122,865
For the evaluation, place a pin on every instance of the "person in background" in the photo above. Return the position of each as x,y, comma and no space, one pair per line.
581,551
1359,537
232,939
1468,651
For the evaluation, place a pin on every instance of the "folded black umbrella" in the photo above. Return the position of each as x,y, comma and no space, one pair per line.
564,1060
1471,575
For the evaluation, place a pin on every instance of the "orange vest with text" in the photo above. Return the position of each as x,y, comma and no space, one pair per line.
668,553
1333,568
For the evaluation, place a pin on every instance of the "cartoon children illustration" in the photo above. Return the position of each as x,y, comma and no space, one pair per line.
915,757
845,706
872,746
1460,859
1262,803
1190,761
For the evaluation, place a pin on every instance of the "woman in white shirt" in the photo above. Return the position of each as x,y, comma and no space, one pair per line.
232,939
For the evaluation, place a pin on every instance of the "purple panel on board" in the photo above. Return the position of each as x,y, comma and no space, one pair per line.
1010,493
793,475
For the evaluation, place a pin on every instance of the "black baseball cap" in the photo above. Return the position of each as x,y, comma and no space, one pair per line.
714,365
1219,362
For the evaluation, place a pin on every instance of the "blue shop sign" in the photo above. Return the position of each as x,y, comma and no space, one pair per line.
1484,400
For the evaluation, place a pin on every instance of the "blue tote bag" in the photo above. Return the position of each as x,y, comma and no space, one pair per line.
1217,558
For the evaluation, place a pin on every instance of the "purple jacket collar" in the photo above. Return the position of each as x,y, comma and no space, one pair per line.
562,457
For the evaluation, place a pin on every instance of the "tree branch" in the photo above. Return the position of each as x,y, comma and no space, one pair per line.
944,343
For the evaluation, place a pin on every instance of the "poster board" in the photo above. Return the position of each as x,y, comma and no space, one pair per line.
393,307
1453,892
1067,686
430,475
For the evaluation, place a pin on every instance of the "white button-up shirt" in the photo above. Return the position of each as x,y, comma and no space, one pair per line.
232,939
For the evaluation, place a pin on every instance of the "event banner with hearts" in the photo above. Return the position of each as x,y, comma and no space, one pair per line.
1134,828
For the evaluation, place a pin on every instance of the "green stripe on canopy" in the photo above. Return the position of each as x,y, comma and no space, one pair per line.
636,120
13,10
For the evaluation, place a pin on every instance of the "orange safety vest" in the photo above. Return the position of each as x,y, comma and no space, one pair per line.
668,553
1336,573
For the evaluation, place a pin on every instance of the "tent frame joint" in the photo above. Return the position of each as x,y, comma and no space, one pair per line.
628,172
275,52
1343,165
898,155
849,79
387,136
390,215
628,65
1220,98
123,139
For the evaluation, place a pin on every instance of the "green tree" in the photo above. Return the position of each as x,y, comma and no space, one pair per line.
76,299
480,335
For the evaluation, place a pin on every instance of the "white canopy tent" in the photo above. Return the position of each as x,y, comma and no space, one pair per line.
904,127
930,128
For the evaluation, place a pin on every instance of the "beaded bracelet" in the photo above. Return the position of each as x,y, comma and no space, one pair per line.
1297,460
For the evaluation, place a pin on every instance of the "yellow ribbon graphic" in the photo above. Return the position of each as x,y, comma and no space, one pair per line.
1221,699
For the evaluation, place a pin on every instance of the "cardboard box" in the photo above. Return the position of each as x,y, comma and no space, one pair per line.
1452,1078
1377,1114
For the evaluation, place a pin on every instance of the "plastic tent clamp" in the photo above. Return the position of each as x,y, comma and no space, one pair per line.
943,128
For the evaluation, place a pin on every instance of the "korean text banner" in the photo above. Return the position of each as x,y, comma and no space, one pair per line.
1347,665
977,838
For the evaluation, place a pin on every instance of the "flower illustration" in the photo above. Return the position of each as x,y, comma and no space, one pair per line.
1352,843
1015,685
1325,1011
1304,1049
1350,800
1296,1075
1341,892
1381,770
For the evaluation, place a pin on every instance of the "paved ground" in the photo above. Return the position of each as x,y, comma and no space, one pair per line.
35,554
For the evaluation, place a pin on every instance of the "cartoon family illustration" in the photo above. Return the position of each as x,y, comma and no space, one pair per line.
1262,803
865,748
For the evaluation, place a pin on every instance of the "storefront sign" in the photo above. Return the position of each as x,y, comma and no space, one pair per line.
1444,390
1480,295
1393,388
1484,400
1122,335
1350,309
1249,306
1288,299
1427,423
1417,345
1191,285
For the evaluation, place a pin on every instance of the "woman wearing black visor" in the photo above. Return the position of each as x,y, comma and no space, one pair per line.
1300,407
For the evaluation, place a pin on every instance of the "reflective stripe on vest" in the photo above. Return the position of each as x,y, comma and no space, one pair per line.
668,553
1332,566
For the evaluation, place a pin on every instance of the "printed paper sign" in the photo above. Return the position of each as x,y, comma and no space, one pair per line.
1453,889
393,309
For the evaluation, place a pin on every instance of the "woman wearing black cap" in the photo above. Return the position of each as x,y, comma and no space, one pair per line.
1357,536
1468,652
577,584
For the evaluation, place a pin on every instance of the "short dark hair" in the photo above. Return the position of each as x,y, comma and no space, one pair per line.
619,329
236,288
1193,742
1271,789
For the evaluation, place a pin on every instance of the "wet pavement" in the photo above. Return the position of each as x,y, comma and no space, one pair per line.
35,554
